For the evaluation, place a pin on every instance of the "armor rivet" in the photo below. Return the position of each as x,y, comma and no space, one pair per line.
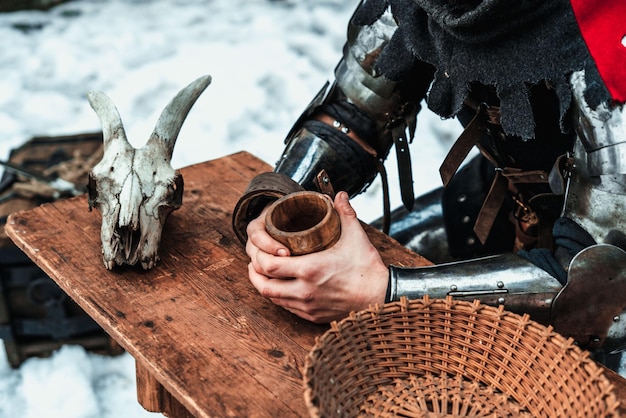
461,198
501,301
466,219
470,241
500,285
453,288
616,319
325,180
345,130
336,124
596,340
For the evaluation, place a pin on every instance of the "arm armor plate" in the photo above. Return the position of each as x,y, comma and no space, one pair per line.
382,112
365,114
504,279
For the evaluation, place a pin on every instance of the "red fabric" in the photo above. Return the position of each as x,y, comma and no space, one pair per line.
603,27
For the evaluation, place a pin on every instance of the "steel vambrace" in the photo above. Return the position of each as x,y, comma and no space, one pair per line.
504,279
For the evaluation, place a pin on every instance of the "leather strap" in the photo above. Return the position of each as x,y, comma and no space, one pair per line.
466,141
262,190
346,130
386,201
405,171
322,180
491,206
505,179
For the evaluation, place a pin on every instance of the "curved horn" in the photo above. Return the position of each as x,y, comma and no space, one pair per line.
171,120
112,128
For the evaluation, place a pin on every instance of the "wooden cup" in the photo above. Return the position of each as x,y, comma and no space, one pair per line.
305,222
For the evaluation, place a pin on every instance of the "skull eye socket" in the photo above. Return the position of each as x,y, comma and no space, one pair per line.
92,191
176,198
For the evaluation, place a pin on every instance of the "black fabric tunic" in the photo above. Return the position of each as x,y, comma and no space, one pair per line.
511,45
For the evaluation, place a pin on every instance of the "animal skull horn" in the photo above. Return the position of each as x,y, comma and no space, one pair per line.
135,189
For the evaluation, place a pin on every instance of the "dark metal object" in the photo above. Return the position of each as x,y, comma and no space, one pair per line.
62,187
13,5
36,316
422,229
587,308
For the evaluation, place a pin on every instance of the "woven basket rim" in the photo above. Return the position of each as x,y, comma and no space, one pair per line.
520,328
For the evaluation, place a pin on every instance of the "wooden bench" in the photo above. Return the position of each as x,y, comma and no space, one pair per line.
206,344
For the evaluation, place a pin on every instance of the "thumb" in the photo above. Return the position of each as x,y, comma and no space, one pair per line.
352,232
343,207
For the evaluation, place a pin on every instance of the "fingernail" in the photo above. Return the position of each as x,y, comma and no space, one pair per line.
282,252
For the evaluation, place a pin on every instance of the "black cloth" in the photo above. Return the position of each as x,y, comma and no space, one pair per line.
509,44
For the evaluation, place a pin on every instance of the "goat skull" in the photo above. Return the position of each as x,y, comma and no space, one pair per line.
135,189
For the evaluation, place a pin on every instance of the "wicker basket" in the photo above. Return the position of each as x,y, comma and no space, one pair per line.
446,358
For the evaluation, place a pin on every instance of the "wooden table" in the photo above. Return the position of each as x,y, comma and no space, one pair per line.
204,341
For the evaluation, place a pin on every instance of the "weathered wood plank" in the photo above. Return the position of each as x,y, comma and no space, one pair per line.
154,398
166,324
150,391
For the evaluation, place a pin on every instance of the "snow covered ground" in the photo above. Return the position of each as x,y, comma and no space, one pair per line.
267,58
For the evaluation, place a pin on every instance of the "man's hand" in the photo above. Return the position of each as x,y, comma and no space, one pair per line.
323,286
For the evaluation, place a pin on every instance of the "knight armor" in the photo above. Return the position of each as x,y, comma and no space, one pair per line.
531,222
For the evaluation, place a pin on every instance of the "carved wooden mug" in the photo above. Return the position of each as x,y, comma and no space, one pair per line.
305,222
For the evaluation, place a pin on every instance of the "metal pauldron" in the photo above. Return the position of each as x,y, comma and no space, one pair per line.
591,308
596,197
356,75
602,132
504,279
389,106
357,82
